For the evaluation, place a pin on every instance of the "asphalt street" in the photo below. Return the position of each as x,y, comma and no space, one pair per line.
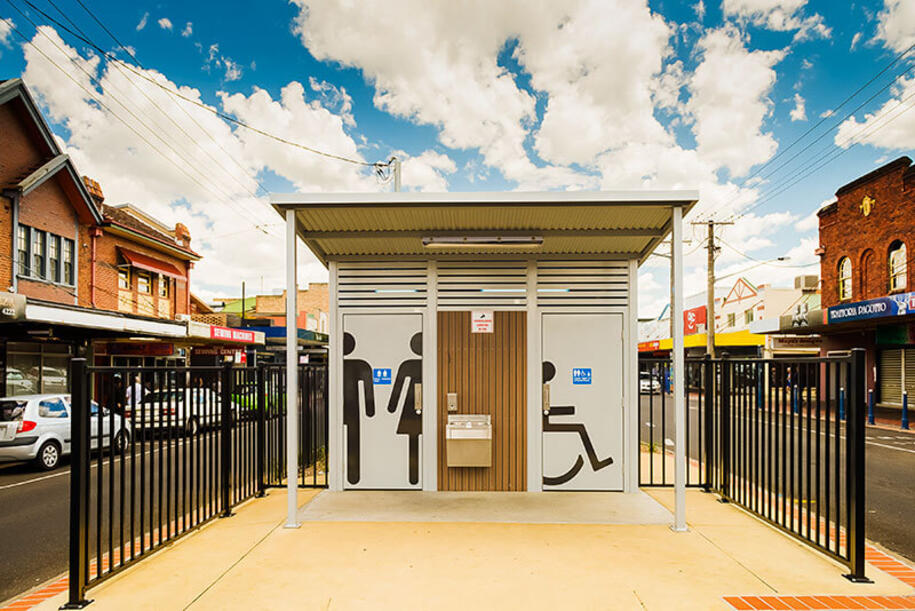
889,459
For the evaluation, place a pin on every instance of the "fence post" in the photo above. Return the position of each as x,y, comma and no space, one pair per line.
870,406
225,455
709,398
261,407
79,484
725,431
905,411
854,464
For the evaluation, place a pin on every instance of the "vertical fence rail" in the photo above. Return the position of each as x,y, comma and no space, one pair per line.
782,438
159,451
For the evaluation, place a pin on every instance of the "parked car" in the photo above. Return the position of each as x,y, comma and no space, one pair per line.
188,410
37,427
648,384
17,383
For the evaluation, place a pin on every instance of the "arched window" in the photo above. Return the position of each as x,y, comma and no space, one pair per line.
844,278
897,261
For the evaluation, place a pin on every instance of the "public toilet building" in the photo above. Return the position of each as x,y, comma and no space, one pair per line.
484,341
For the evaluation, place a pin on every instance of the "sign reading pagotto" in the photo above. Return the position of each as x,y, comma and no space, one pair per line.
892,305
481,321
232,335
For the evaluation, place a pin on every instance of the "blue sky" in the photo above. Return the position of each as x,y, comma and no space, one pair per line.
488,96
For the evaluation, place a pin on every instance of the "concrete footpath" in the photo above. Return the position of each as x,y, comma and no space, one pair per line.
727,560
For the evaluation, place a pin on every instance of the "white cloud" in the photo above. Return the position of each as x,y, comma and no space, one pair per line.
799,112
426,172
730,89
896,24
188,30
214,59
891,127
203,175
165,23
854,40
143,20
779,16
699,8
233,70
335,98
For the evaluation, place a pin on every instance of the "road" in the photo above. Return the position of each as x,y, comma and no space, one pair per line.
889,460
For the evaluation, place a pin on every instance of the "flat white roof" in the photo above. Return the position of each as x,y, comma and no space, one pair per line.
624,224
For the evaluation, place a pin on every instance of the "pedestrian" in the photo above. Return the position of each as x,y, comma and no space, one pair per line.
135,392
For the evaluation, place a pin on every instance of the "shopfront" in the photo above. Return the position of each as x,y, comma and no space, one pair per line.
483,341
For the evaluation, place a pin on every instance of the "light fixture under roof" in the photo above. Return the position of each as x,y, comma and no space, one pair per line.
508,242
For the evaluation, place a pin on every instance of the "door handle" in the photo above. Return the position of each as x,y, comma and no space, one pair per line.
418,398
546,399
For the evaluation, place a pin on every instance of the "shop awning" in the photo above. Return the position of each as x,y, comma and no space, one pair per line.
150,264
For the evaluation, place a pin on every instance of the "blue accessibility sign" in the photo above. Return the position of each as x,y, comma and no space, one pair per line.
581,375
381,376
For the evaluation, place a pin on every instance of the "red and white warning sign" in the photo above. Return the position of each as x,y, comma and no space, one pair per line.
481,321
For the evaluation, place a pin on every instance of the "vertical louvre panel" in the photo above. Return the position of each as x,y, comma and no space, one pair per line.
582,283
891,377
487,371
382,284
482,284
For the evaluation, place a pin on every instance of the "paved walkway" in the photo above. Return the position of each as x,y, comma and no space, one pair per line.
728,560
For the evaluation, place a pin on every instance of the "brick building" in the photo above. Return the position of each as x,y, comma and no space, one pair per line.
77,276
312,304
866,241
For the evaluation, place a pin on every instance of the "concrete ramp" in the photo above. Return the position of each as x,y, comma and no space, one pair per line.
507,507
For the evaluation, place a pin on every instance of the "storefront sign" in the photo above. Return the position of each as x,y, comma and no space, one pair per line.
381,376
694,320
214,351
12,306
893,305
649,346
232,335
794,343
481,321
581,375
144,349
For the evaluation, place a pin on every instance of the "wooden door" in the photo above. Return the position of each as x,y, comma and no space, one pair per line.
488,373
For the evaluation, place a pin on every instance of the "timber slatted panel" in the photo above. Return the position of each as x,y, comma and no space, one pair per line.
488,371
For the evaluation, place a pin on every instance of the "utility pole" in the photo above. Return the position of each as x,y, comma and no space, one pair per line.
395,163
710,288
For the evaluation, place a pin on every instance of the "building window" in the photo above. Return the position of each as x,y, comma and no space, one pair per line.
163,287
69,252
54,258
845,278
124,279
144,283
748,316
732,320
22,245
39,242
897,266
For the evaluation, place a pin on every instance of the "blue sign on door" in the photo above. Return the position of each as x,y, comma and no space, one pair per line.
581,375
381,376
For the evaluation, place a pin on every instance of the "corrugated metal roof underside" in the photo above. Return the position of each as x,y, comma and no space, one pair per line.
385,244
438,217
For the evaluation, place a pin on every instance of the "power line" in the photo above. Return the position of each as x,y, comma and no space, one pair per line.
242,211
220,114
826,118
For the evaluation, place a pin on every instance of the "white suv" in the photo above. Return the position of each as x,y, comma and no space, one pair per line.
37,427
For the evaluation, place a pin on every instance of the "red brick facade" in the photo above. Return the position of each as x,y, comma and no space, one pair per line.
888,195
58,206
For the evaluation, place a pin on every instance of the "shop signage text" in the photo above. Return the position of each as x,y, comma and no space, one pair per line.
893,305
232,335
693,319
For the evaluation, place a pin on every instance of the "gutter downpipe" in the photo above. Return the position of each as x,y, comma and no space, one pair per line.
93,235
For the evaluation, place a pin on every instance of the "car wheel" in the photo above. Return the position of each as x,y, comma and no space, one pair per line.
121,440
48,456
192,426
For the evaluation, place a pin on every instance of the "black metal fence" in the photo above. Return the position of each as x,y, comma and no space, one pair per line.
782,438
158,451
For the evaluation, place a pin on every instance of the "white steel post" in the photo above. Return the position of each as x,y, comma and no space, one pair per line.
292,380
679,370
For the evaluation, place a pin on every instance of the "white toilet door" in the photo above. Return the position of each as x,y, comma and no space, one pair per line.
583,432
